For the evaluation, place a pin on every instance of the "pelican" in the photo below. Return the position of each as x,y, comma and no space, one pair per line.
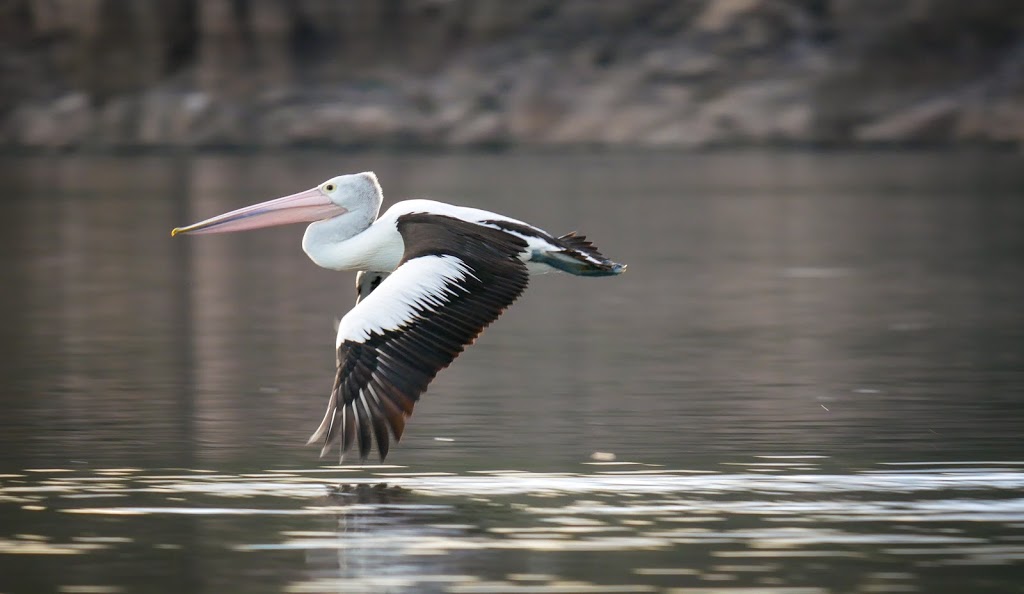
430,277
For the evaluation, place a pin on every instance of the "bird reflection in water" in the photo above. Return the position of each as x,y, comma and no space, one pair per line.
382,542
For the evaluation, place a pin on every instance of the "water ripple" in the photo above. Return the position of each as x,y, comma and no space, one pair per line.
390,528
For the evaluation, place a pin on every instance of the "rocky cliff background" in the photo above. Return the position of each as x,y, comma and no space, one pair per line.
119,74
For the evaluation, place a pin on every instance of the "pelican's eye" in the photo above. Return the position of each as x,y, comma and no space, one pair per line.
329,187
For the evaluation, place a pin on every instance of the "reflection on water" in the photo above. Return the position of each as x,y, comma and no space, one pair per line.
884,529
810,378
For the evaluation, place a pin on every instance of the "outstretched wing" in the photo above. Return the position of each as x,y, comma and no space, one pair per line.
455,278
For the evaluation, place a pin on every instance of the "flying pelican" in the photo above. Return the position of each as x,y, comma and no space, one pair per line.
431,276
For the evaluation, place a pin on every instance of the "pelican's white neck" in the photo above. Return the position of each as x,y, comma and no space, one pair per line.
325,241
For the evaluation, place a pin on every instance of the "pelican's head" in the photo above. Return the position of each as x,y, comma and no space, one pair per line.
357,192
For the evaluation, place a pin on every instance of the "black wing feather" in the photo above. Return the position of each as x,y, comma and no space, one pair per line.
381,377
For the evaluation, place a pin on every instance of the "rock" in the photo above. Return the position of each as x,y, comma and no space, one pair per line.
589,115
764,112
999,121
156,111
631,123
110,73
485,129
748,26
926,122
719,15
116,122
332,124
221,124
62,123
681,64
687,131
536,102
489,18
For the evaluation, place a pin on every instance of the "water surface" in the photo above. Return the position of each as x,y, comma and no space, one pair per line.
811,379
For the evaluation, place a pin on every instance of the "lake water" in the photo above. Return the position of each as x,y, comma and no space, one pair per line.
811,380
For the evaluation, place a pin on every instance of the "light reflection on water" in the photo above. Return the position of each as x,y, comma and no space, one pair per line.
392,529
809,382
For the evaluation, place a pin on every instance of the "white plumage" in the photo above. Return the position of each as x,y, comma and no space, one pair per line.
431,277
427,282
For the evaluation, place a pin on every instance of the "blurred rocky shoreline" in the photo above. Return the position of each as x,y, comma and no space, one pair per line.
114,74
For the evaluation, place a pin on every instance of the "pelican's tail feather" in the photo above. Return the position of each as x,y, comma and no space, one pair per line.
580,257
